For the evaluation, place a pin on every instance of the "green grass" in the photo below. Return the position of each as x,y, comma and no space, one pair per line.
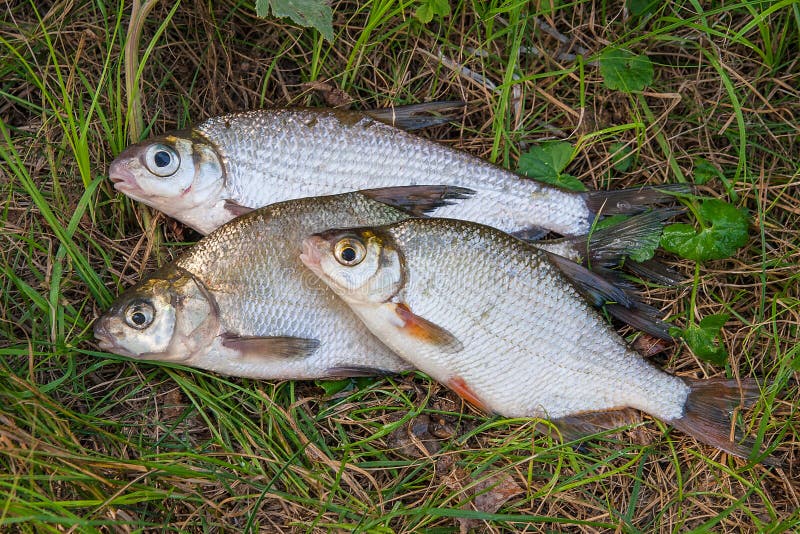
97,443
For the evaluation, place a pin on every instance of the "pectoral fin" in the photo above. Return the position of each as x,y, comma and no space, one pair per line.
424,330
270,347
235,208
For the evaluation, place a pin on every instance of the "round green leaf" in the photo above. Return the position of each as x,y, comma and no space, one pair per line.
724,231
625,71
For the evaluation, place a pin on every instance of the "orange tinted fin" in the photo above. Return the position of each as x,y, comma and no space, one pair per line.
458,385
426,331
707,415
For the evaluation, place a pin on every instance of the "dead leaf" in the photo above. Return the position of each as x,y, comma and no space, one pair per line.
648,346
333,96
490,494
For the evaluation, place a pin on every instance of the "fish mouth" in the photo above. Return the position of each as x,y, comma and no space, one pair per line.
122,177
104,339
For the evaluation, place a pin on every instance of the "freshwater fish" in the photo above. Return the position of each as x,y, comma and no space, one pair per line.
497,321
241,303
229,165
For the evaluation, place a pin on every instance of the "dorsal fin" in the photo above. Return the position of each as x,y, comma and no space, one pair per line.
416,116
418,200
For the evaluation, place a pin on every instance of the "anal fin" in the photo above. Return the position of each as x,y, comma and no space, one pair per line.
460,386
573,427
357,371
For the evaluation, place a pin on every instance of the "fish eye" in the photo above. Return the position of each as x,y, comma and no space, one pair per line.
350,251
161,160
140,315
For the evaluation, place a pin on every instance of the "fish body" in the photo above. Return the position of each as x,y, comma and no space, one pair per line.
241,303
228,165
497,321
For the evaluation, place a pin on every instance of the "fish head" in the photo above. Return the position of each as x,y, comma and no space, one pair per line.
360,265
172,172
167,317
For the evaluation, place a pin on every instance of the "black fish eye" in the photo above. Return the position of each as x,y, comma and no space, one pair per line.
140,315
162,158
350,251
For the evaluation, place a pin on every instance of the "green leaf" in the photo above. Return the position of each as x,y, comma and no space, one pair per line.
307,13
639,8
621,156
428,8
424,13
440,7
704,171
703,338
546,162
723,231
332,387
625,71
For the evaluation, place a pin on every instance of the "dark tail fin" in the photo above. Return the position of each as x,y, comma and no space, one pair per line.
655,272
417,116
707,414
608,246
634,200
418,200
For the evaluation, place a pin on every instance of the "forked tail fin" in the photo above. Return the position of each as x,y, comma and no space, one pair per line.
707,414
633,200
608,246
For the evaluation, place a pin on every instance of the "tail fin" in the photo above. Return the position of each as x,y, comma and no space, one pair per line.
416,116
707,414
634,200
655,272
608,246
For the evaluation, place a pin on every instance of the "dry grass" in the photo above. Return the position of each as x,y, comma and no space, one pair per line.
89,442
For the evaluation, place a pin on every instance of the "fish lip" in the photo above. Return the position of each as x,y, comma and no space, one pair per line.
123,179
311,256
101,334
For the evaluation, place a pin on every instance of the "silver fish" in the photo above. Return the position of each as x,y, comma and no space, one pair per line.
228,165
240,302
498,322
